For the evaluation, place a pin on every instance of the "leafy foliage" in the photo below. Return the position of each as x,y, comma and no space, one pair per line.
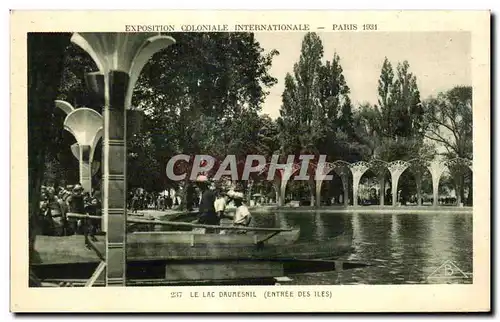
449,119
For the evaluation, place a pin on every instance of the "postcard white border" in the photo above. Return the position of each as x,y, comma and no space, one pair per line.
348,298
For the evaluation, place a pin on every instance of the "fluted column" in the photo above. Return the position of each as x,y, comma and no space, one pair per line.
357,169
381,182
120,58
323,169
342,170
396,168
113,86
86,126
319,183
379,167
289,170
85,167
436,168
283,191
345,185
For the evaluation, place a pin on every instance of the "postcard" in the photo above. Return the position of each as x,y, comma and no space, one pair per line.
250,161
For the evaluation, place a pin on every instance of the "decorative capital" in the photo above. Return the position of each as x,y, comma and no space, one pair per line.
85,124
125,52
64,106
397,167
359,168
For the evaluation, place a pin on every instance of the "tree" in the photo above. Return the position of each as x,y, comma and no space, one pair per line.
394,128
45,56
289,122
449,118
316,116
202,95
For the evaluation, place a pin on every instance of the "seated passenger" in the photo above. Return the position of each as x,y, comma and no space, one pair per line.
242,216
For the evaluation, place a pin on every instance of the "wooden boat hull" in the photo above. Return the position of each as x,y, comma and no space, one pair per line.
192,246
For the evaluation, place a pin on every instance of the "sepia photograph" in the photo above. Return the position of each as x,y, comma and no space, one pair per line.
270,154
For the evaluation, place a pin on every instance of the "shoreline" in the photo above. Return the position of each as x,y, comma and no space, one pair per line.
369,209
327,209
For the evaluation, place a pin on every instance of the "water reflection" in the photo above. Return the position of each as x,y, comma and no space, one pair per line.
400,248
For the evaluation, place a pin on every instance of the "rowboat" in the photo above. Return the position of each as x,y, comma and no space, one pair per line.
254,243
187,254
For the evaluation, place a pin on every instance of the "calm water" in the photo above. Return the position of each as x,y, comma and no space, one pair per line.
400,248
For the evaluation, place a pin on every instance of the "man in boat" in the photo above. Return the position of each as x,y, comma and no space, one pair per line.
208,215
242,216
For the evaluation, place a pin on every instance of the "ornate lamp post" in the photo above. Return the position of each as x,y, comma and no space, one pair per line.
120,58
86,126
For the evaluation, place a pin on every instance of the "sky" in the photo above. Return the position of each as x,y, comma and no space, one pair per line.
439,60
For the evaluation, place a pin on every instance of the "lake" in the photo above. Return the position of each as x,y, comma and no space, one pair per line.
399,248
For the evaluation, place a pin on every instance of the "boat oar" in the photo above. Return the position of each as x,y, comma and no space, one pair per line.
185,224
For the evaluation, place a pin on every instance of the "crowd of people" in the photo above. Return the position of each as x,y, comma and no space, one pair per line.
56,203
140,199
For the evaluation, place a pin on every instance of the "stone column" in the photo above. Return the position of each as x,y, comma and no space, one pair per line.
114,187
283,191
85,168
342,170
357,169
88,167
345,185
380,167
323,170
285,177
319,183
436,168
381,182
396,168
85,125
312,192
120,58
276,186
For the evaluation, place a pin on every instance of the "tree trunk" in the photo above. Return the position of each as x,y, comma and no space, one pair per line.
45,66
469,195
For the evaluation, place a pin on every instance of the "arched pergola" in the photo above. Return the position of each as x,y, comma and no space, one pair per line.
341,168
344,169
